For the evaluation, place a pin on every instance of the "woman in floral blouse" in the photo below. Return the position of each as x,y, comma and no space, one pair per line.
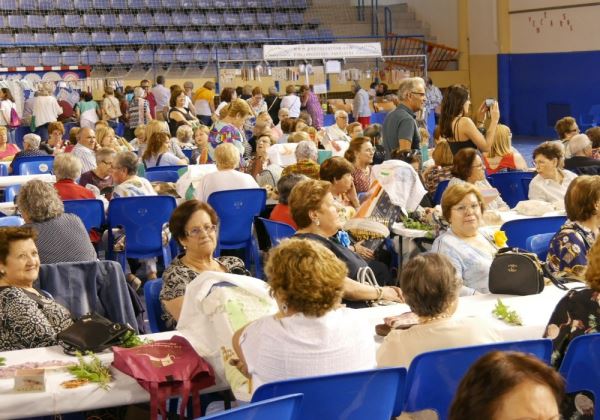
577,313
230,129
568,251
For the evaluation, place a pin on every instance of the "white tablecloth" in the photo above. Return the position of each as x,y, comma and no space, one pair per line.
534,310
124,390
5,181
8,208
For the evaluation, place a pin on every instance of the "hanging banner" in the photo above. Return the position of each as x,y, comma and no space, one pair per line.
321,51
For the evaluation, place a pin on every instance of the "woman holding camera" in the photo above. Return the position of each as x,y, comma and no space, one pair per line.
460,130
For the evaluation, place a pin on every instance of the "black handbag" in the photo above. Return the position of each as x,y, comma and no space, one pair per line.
518,272
92,332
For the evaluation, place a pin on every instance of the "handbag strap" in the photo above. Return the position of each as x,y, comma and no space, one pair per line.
366,276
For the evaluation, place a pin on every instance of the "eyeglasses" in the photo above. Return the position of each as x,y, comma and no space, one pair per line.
146,87
574,130
197,231
463,208
107,163
421,94
342,117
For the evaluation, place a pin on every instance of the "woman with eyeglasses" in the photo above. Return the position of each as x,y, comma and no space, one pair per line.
551,182
460,130
566,128
468,168
502,157
194,226
470,250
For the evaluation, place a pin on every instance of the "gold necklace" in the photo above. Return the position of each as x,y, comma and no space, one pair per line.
434,318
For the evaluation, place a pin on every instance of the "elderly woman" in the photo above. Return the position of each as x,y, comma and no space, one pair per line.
576,314
468,168
502,156
430,288
569,248
460,130
138,111
282,114
312,334
185,137
193,225
230,129
566,128
227,158
61,236
124,174
338,171
291,102
29,318
200,153
178,114
262,170
354,130
7,150
139,142
227,95
288,126
67,168
508,385
100,177
316,215
281,211
442,168
551,182
156,126
470,250
306,161
360,155
157,152
31,147
54,144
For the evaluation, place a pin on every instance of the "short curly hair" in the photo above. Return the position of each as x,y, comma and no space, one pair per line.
550,150
307,195
429,284
333,169
582,197
306,275
39,201
8,235
454,195
183,213
462,164
563,126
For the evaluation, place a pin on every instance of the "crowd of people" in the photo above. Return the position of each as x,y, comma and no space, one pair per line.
314,276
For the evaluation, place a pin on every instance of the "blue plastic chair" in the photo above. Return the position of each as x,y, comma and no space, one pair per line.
434,376
163,176
371,394
11,221
11,192
176,168
142,219
236,210
439,191
510,186
517,231
581,367
152,290
188,153
29,165
540,244
3,170
277,231
91,212
282,408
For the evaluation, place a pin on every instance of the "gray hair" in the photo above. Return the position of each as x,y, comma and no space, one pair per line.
340,113
306,149
184,133
127,160
408,85
285,185
67,166
33,140
103,153
579,143
139,92
39,201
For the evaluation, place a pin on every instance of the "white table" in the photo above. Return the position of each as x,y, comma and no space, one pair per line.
5,181
8,208
124,390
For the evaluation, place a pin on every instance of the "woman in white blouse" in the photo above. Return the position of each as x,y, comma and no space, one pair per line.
312,334
551,182
291,102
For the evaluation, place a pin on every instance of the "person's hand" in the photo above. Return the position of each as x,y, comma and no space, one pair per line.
363,251
335,146
393,294
353,196
495,112
481,112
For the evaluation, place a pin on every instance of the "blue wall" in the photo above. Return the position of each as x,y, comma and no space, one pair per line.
534,90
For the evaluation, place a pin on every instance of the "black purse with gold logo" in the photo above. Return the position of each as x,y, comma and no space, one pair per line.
518,272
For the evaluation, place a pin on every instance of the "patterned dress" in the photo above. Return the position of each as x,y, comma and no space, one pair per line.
177,276
567,256
223,132
27,324
362,179
577,313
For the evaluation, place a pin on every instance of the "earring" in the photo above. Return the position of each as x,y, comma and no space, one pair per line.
317,222
284,308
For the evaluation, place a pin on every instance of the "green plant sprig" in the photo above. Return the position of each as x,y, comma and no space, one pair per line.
2,361
91,370
503,313
131,339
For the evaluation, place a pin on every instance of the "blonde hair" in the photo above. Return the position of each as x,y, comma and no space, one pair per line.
184,133
156,126
139,130
3,130
298,136
227,156
306,275
502,144
103,132
237,107
592,273
67,166
307,195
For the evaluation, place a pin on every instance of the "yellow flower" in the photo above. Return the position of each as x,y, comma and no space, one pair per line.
500,238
